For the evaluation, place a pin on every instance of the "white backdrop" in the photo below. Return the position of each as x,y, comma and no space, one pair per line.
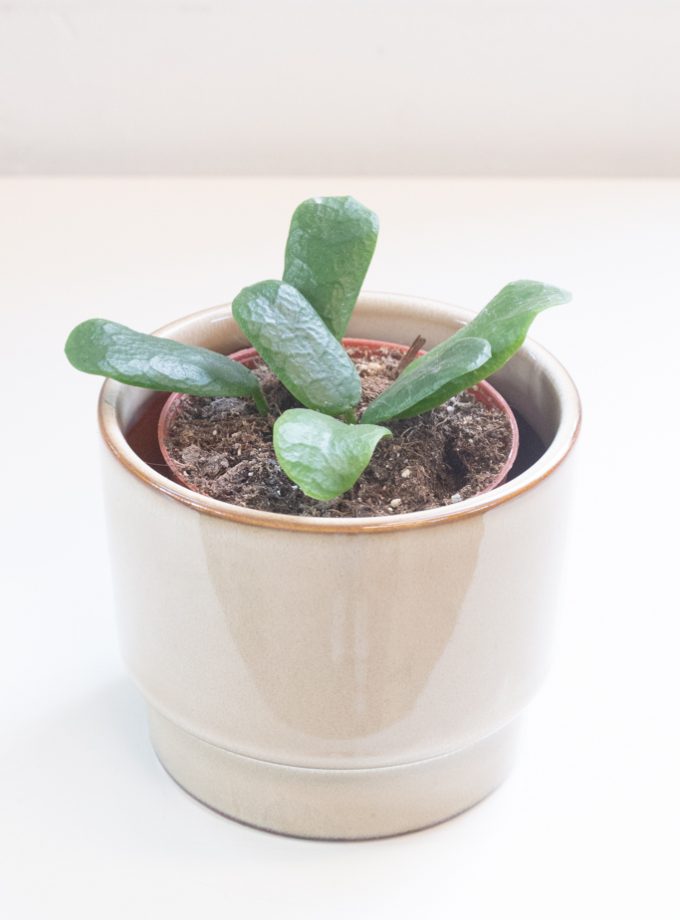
512,87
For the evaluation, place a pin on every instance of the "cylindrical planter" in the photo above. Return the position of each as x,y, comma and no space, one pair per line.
483,392
340,678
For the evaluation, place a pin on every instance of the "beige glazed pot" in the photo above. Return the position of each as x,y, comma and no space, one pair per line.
340,678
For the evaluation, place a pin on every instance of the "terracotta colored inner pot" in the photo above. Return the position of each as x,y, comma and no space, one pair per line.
483,392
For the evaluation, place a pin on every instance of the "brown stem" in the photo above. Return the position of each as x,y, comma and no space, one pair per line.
411,354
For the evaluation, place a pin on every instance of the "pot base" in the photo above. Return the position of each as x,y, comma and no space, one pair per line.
333,804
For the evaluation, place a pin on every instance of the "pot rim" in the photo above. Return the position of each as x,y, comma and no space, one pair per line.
483,391
556,452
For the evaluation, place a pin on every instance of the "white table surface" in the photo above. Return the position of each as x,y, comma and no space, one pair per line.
587,826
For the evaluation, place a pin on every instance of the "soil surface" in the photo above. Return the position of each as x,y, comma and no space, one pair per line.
223,447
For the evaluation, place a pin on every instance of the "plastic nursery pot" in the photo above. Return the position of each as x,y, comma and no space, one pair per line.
340,677
483,392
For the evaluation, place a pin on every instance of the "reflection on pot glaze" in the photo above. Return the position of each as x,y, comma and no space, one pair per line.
352,660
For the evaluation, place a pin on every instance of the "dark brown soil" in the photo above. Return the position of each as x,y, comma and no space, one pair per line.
223,447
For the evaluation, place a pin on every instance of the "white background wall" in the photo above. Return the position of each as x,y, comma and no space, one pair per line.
521,87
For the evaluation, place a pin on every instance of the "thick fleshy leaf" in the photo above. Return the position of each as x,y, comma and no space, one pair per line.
322,455
330,246
99,346
298,347
436,370
504,323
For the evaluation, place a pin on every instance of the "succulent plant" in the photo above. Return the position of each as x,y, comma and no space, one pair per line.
296,326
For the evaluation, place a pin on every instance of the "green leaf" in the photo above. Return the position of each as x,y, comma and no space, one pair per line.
99,346
322,455
504,323
436,370
297,345
330,246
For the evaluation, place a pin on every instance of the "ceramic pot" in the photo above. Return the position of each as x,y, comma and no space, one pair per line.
340,678
483,392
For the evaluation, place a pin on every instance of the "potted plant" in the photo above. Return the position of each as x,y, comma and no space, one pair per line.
339,671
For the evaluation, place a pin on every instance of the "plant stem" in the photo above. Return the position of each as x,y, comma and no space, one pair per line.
411,354
261,402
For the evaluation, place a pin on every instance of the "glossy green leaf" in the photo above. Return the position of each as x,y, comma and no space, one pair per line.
330,246
436,370
298,347
322,455
99,346
504,323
